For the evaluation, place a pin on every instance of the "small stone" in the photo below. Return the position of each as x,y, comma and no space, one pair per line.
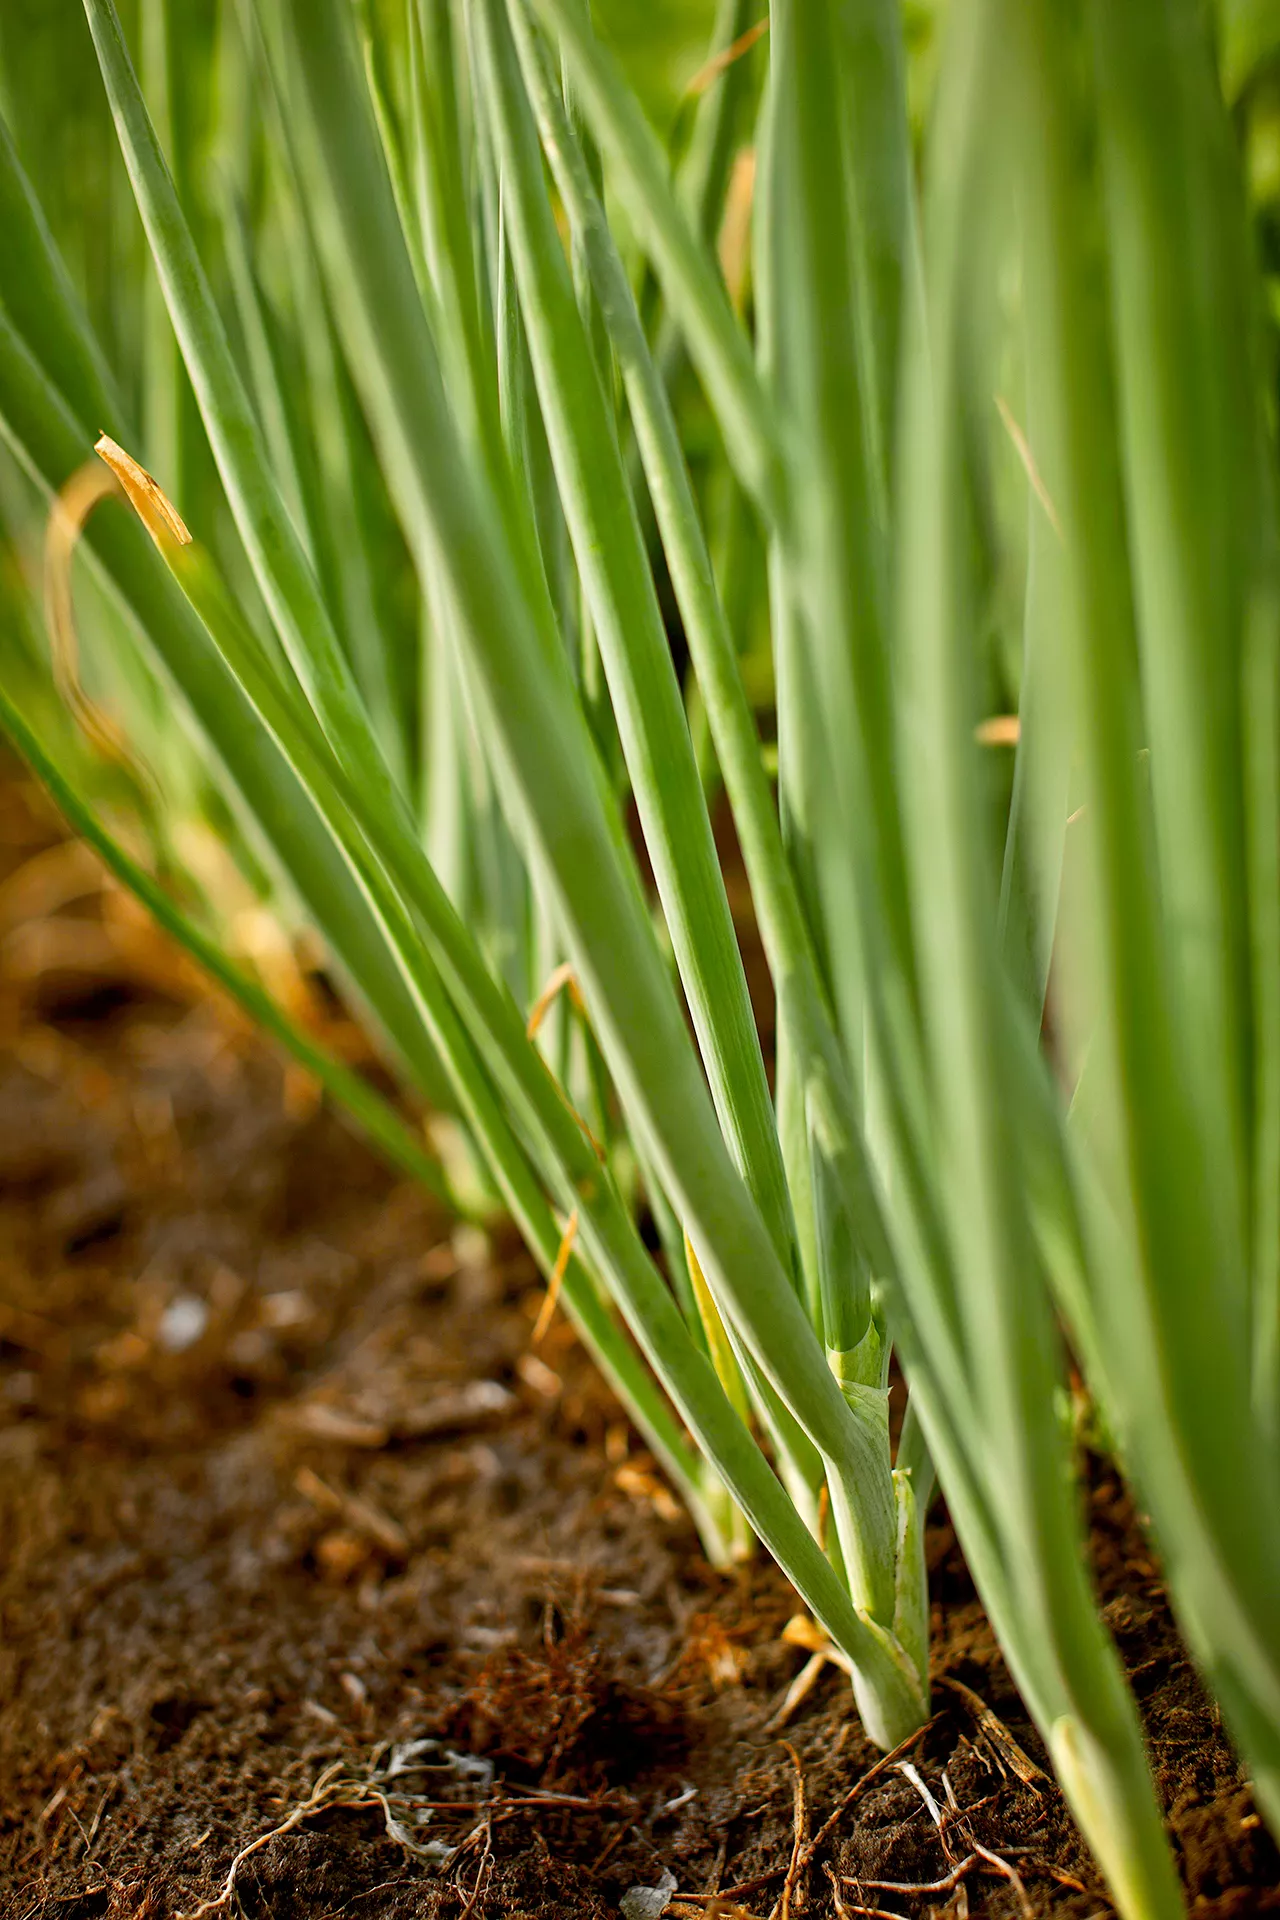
182,1323
648,1903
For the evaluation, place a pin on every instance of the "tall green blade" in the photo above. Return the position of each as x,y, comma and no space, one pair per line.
633,644
1042,1604
1184,331
694,291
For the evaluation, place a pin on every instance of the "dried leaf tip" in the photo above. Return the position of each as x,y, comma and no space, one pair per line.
146,496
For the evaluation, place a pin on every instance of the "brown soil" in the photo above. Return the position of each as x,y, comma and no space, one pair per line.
282,1487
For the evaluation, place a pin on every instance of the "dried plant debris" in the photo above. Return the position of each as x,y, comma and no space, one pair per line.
406,1814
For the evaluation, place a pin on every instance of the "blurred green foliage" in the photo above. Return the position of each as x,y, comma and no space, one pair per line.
52,99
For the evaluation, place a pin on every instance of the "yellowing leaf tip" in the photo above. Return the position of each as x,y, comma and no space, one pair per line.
146,496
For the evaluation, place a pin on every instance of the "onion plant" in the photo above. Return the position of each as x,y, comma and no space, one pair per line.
461,412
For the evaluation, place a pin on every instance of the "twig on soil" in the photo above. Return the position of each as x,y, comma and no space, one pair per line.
717,1872
362,1514
1033,1864
335,1788
782,1911
858,1788
722,1909
88,1841
516,1803
734,1893
486,1861
714,1906
316,1799
844,1911
960,1814
367,1893
97,1820
611,1847
998,1734
947,1882
47,1812
936,1814
1002,1867
801,1631
1009,1873
799,1690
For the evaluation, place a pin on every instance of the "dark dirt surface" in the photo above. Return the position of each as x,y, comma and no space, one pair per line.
283,1487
